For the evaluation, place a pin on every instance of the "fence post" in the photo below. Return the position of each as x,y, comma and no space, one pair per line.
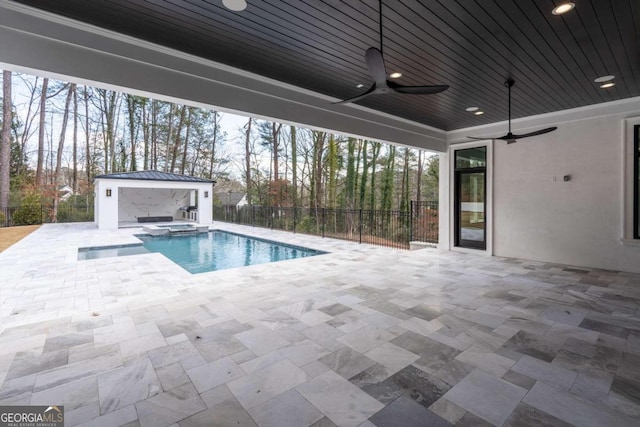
360,227
323,219
295,210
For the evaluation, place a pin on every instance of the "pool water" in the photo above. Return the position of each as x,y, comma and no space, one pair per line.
203,252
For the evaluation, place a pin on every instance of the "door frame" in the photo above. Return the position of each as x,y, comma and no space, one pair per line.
488,249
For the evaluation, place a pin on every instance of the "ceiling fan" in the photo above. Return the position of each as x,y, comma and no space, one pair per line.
511,137
375,63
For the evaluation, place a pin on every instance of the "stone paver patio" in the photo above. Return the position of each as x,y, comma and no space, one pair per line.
360,336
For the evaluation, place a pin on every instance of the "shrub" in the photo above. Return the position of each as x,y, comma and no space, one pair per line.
309,224
71,213
30,210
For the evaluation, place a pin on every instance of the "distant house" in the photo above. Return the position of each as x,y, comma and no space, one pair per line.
65,193
237,199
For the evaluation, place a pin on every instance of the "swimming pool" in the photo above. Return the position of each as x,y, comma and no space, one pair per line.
203,252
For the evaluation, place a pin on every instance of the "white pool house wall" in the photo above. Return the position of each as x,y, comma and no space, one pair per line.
124,200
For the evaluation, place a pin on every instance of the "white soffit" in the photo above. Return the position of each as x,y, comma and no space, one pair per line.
46,44
630,106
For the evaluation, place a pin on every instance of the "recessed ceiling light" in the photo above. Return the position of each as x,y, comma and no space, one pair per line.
563,8
479,113
604,79
472,109
359,85
395,75
235,5
607,85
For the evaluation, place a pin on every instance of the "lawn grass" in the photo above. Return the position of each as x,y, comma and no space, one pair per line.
10,235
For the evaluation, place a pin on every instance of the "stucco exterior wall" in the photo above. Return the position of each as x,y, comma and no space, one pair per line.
538,215
131,199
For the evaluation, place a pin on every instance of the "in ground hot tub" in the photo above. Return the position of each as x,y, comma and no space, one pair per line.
161,230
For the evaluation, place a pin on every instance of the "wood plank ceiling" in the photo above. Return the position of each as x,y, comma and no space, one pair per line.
471,45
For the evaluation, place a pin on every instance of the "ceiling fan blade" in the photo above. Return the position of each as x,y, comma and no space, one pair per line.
480,138
375,64
417,90
511,137
358,97
535,133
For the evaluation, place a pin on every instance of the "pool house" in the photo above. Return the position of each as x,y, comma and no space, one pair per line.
126,198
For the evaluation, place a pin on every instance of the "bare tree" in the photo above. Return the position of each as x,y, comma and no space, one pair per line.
87,132
5,150
132,107
41,129
186,141
75,141
63,131
28,119
419,176
176,145
214,141
247,159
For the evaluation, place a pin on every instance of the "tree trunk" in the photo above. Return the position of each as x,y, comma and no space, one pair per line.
216,123
154,135
275,134
75,143
43,113
145,133
87,133
111,129
294,164
374,163
176,145
419,176
363,181
388,175
169,138
5,150
26,127
63,131
350,188
186,142
316,177
333,170
404,194
247,159
274,137
131,110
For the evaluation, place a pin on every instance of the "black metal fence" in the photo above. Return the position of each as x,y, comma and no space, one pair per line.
424,221
386,228
40,214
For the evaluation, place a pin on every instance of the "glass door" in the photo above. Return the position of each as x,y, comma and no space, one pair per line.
470,198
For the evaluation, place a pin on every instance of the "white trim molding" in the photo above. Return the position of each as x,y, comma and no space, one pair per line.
448,226
627,179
